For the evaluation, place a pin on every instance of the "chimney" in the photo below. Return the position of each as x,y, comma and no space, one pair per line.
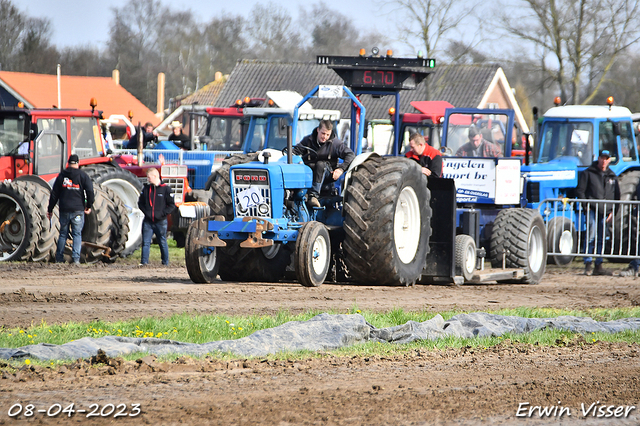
160,108
115,75
217,76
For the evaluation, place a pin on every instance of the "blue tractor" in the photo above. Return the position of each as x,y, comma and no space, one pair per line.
375,222
569,140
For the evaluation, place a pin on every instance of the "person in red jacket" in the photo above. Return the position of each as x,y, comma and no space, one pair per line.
156,202
427,156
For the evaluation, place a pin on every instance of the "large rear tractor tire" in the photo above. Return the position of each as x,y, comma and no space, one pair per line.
97,226
202,262
20,222
221,202
387,222
313,254
45,248
128,187
520,234
120,228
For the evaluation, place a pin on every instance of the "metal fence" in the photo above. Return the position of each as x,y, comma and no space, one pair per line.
200,164
586,228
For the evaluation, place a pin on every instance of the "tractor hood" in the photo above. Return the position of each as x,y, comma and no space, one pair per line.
561,171
281,174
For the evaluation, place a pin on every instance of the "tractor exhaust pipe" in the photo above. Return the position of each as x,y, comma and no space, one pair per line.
289,146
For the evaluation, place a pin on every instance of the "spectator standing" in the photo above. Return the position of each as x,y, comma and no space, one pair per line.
148,135
156,202
321,150
427,156
74,190
180,139
598,182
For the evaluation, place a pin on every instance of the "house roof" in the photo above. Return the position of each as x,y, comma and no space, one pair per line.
461,85
207,95
41,91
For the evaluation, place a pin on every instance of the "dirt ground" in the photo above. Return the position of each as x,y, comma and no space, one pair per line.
498,385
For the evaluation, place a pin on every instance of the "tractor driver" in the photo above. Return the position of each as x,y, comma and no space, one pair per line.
320,150
478,146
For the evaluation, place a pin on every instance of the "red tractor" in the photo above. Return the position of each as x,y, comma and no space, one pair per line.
34,147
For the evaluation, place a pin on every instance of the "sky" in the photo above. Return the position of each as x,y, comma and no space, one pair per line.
81,23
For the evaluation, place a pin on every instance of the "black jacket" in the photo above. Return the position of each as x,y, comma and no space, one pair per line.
74,189
182,141
595,184
156,202
330,151
146,138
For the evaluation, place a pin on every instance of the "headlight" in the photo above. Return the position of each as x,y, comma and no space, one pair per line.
263,208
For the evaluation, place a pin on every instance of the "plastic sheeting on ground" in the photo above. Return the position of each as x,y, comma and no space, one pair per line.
322,332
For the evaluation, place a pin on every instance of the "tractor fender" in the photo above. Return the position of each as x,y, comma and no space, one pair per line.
355,163
37,180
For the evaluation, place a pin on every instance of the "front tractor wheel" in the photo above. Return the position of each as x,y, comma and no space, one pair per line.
519,236
387,222
313,254
466,254
202,262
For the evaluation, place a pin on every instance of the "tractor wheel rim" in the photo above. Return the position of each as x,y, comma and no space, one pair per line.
320,255
407,225
565,243
470,259
210,260
536,249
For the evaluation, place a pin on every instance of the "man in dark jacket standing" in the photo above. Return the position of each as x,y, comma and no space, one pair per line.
74,189
598,182
156,202
321,150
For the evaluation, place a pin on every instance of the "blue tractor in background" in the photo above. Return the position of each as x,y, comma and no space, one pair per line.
569,139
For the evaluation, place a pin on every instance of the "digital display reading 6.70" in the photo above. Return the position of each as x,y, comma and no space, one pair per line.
371,78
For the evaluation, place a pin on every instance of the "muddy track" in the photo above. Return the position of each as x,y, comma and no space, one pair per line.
482,386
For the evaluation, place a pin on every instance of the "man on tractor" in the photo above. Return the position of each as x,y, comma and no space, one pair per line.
321,150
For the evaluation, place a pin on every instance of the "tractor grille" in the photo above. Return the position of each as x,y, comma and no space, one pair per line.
258,179
177,188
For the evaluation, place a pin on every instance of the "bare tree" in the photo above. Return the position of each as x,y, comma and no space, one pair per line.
432,22
578,39
332,33
225,42
273,33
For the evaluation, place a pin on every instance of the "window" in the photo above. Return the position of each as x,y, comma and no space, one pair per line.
626,142
14,138
567,139
83,137
49,149
608,140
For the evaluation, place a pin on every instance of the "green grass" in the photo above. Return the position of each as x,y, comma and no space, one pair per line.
207,328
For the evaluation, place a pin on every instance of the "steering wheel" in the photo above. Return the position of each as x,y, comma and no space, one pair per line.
446,151
284,150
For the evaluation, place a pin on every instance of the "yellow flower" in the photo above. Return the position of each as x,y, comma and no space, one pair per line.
21,331
240,328
175,331
50,331
119,331
27,361
358,311
29,336
227,322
